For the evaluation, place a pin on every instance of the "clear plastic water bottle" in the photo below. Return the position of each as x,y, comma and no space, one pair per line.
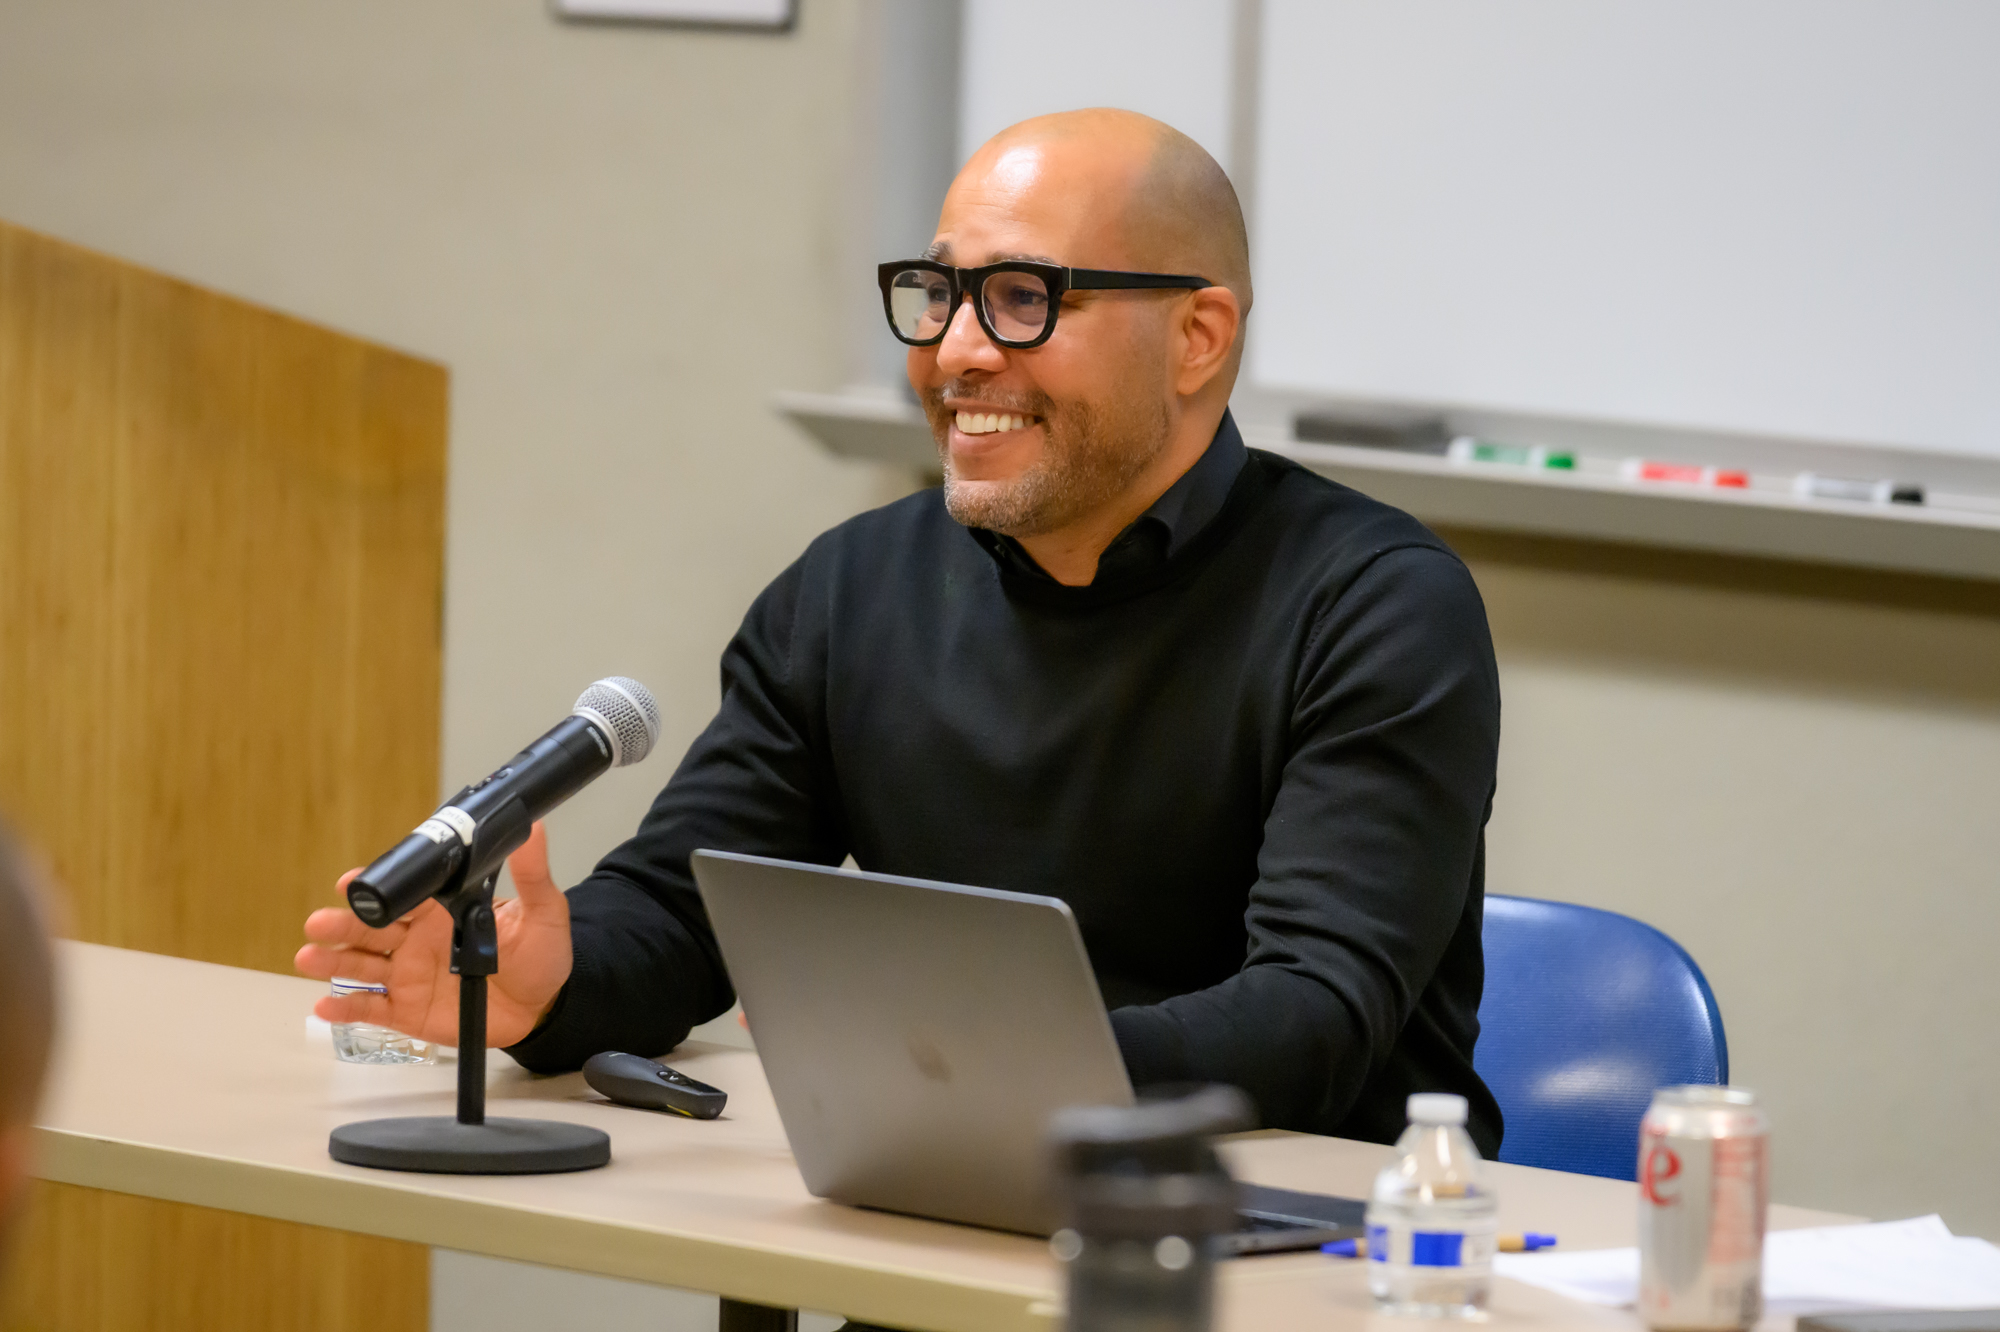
1431,1218
365,1043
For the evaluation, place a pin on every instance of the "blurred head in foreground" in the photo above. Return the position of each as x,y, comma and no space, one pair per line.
27,1017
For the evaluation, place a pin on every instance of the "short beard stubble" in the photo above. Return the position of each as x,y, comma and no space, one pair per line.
1092,453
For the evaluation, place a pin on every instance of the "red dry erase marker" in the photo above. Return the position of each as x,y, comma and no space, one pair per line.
1685,474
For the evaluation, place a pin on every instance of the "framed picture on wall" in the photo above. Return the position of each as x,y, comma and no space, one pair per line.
770,15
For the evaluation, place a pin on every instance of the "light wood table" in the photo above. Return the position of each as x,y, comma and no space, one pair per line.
199,1084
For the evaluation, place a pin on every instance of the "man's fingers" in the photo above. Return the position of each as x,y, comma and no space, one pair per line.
322,963
355,1008
422,915
530,868
337,926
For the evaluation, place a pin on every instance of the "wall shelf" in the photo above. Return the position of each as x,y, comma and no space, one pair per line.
876,425
1593,502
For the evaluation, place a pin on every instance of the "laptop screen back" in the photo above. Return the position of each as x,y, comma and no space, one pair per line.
917,1036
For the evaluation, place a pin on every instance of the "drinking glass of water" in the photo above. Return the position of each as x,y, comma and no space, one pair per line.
366,1043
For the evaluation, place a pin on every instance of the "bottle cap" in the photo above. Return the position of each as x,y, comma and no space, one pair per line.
1437,1108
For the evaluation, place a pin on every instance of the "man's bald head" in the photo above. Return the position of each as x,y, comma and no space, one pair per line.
1173,202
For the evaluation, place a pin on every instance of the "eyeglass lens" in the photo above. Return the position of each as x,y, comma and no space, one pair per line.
920,303
1017,305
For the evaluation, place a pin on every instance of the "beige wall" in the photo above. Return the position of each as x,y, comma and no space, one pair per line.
622,241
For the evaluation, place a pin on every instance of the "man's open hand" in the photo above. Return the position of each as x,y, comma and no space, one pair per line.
413,958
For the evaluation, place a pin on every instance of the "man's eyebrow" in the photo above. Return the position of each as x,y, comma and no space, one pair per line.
940,252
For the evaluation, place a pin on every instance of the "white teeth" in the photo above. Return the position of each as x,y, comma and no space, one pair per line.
986,423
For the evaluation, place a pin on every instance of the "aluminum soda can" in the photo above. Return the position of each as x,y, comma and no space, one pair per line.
1704,1181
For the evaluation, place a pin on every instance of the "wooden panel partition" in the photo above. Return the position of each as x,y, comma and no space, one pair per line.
96,1261
221,564
221,548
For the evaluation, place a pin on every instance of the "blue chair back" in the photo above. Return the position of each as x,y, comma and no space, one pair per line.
1585,1014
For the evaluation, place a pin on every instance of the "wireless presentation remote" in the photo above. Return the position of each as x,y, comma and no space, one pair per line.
635,1080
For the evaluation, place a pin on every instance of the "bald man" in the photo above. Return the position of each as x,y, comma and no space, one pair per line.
1244,721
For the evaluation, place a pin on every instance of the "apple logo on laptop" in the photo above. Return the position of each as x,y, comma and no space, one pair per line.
924,1053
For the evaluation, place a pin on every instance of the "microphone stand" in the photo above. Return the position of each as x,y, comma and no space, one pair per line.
471,1144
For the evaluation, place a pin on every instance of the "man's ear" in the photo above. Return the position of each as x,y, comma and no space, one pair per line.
1209,323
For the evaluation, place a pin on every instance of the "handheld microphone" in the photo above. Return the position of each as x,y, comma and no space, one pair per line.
616,723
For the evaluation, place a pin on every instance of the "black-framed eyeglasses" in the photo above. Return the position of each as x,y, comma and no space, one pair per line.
1016,302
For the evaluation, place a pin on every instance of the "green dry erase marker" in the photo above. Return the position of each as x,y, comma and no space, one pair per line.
1467,449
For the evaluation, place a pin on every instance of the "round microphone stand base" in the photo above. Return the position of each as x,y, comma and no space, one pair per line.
443,1146
471,1144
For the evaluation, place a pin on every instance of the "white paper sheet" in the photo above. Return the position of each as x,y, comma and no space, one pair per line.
1914,1264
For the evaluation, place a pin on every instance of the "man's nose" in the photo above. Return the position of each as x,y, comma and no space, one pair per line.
966,346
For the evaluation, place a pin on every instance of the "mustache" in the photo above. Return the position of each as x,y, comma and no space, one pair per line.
1027,404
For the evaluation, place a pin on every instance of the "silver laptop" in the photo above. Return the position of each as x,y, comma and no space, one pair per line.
917,1037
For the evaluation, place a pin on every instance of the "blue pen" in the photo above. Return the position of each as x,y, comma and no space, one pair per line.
1528,1243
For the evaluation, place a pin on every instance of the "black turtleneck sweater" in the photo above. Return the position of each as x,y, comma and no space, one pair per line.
1255,756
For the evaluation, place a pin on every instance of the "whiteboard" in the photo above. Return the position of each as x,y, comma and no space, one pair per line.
1169,59
1772,216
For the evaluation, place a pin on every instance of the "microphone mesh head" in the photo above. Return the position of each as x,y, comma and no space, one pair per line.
627,708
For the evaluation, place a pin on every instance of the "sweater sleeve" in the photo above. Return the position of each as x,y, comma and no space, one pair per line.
1368,853
646,964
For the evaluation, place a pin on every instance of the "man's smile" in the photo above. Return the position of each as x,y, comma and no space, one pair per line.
988,423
